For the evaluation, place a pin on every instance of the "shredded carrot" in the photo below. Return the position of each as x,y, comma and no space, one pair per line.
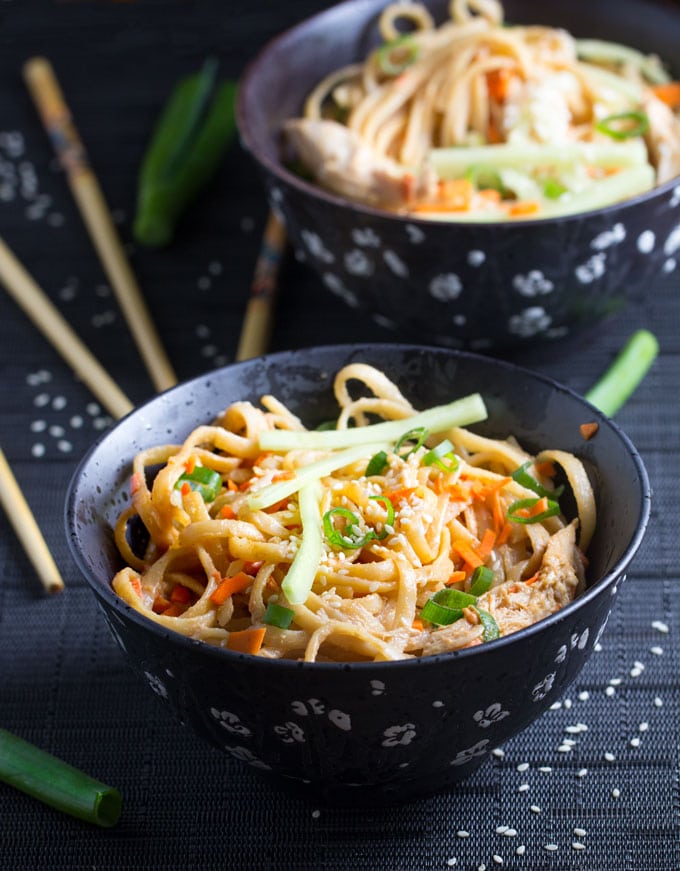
498,83
227,513
181,594
588,430
467,553
185,489
493,133
417,624
160,604
229,586
523,207
190,465
497,511
282,476
136,482
456,578
401,495
261,458
532,579
669,93
137,586
252,568
231,485
175,609
546,469
504,534
247,640
473,643
486,544
538,507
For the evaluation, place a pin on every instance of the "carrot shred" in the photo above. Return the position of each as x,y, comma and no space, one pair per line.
137,586
504,534
538,507
467,553
532,579
486,544
493,133
190,465
227,513
252,568
160,604
174,609
417,624
247,640
401,495
588,430
669,93
498,83
231,485
229,586
181,594
456,577
523,207
185,488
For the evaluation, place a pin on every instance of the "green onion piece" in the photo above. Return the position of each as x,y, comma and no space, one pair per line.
624,125
277,615
489,625
522,504
206,481
553,189
452,598
404,447
437,456
438,614
298,582
273,493
389,520
521,476
326,425
481,581
377,464
631,365
486,178
337,538
55,783
461,412
395,56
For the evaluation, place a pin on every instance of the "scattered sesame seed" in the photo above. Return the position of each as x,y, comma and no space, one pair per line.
523,787
616,792
41,400
555,706
501,830
615,682
635,672
660,626
59,403
521,850
523,766
481,867
498,753
92,408
316,814
580,833
635,742
643,727
497,859
535,809
656,650
510,833
38,426
64,445
452,861
56,431
582,772
565,748
38,450
639,664
567,703
437,703
76,421
598,647
610,691
215,267
551,847
584,696
658,702
609,757
577,845
546,769
204,282
462,833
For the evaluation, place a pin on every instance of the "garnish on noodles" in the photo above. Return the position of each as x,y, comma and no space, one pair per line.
397,534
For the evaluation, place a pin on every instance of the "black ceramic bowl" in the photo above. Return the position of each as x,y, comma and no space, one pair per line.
367,730
480,286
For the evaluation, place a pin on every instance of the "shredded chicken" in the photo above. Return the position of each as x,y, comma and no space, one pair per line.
663,138
515,605
342,163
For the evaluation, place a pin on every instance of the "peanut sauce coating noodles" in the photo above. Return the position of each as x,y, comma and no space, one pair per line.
367,541
476,120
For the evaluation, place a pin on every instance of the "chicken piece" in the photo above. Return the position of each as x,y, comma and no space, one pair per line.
663,138
516,604
342,163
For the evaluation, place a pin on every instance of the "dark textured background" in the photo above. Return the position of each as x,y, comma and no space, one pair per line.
63,683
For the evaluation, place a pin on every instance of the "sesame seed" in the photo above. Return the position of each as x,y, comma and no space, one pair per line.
584,696
643,727
523,787
510,833
498,752
546,769
615,682
567,703
564,748
577,845
521,850
462,833
660,626
452,861
657,651
497,859
38,426
481,867
616,792
610,691
535,809
523,766
609,757
658,702
635,742
551,847
635,672
316,814
598,647
582,772
639,664
501,830
580,833
555,706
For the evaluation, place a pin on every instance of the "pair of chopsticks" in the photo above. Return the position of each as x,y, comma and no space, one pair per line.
56,117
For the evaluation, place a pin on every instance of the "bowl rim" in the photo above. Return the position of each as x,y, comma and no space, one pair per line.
249,142
106,593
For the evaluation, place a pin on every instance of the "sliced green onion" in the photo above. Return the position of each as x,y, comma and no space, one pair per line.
273,493
489,625
481,581
389,520
553,189
56,783
337,538
486,178
377,464
522,504
438,614
206,481
624,125
278,615
452,598
410,442
631,365
395,56
326,425
298,582
461,412
437,456
521,476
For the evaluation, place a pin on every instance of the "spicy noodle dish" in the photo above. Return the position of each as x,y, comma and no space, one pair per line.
387,534
479,120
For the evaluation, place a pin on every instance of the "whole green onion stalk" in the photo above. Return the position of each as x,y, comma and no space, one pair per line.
626,372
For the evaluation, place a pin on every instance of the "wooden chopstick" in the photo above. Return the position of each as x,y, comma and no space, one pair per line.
37,305
258,320
28,532
56,117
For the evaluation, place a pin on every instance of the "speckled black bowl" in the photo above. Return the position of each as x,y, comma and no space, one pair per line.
377,731
463,285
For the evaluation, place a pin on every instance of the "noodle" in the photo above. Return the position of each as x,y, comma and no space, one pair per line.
429,122
250,549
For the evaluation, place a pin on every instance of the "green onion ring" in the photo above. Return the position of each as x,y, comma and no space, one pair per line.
616,132
521,476
337,538
436,457
481,581
389,520
551,511
417,435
